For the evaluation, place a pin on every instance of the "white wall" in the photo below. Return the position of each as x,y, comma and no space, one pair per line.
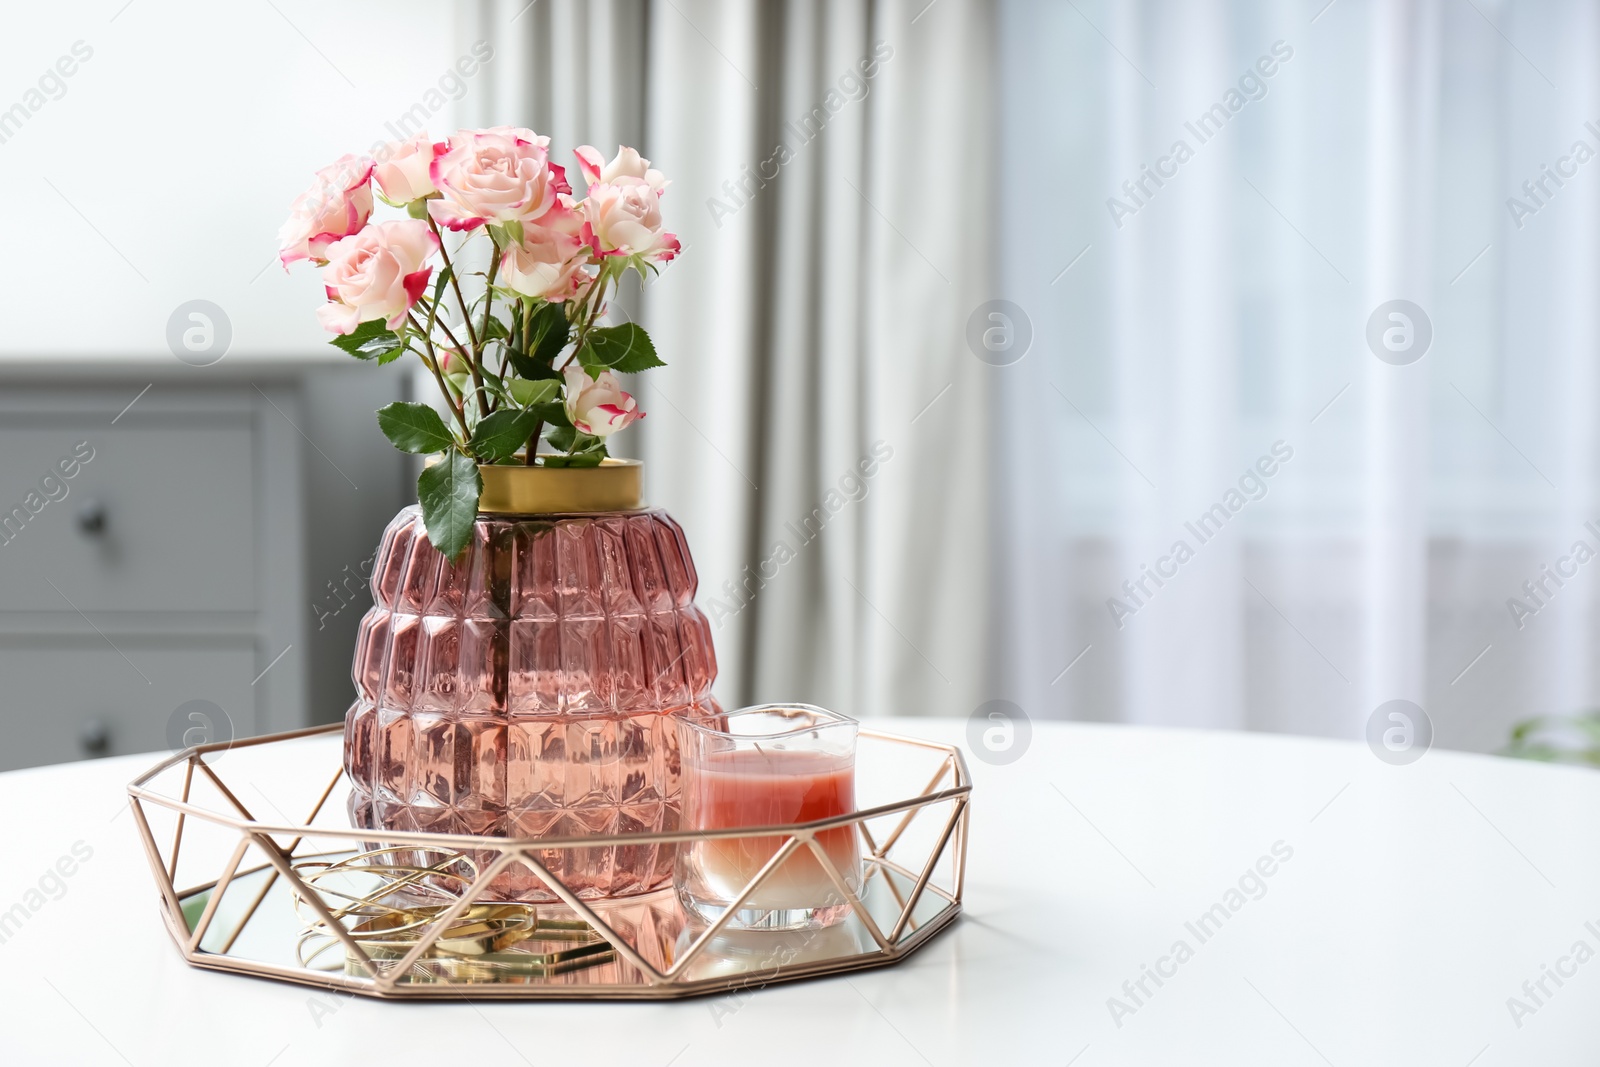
181,141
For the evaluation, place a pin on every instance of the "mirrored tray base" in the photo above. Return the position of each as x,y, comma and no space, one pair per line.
245,887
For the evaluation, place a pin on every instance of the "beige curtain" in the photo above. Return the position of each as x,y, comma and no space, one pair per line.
822,431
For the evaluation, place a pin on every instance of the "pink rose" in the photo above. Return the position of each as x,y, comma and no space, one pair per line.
598,406
628,164
402,176
376,274
623,218
338,204
545,265
502,174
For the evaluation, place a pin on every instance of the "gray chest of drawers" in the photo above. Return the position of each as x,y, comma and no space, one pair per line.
151,566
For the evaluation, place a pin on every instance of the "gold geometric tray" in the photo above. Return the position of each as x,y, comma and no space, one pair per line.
396,914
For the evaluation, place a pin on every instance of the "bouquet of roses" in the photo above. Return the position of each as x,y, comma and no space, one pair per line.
511,333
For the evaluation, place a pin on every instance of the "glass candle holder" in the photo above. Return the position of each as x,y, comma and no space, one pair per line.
770,765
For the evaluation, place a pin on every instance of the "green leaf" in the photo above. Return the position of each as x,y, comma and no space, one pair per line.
448,492
505,233
534,355
521,365
527,393
414,427
439,282
550,333
493,382
553,412
494,329
625,349
639,268
369,340
503,432
563,438
402,345
577,459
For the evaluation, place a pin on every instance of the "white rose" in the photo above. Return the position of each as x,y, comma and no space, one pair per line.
598,406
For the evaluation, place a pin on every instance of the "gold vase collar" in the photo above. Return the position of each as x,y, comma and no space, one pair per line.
516,489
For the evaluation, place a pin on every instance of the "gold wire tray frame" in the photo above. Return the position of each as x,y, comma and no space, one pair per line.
282,898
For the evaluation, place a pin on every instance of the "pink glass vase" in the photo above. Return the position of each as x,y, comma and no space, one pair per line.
529,690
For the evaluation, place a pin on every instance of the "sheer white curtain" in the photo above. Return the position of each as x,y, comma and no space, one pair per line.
815,323
821,430
1226,309
1200,372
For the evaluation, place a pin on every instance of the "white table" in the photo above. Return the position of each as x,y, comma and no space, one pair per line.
1416,901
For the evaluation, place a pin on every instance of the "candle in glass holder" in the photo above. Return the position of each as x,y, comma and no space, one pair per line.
773,765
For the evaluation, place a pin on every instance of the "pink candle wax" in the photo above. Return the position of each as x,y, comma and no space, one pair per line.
751,787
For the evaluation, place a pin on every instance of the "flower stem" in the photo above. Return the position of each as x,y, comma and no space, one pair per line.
488,304
432,361
533,444
455,284
466,317
452,337
589,313
530,451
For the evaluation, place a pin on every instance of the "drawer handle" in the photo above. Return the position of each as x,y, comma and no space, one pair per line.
95,738
92,518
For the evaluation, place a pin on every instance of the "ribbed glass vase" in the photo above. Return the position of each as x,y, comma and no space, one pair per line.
529,689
